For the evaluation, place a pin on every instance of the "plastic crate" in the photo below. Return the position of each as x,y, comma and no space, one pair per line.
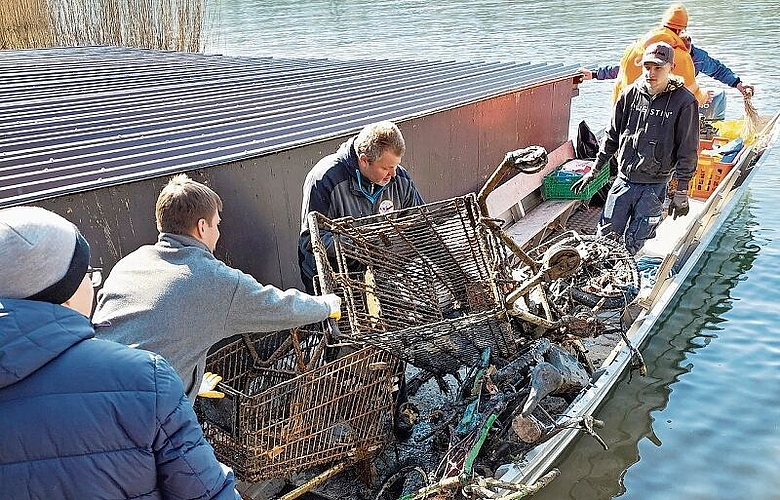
709,171
558,187
715,142
708,175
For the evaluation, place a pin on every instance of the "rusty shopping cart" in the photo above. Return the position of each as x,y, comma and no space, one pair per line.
425,283
287,410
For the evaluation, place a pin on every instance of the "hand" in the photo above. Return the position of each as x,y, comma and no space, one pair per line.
747,90
585,73
334,303
580,184
207,385
678,206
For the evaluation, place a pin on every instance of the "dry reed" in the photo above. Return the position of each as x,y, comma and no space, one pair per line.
25,23
156,24
752,121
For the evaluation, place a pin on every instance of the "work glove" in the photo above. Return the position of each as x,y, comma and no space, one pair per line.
580,184
334,304
207,385
678,206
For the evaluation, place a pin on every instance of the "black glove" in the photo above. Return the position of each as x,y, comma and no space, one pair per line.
678,206
580,184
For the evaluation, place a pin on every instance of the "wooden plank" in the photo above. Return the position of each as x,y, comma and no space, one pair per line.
540,219
510,193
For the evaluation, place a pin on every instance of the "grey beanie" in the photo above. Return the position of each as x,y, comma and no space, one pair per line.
42,255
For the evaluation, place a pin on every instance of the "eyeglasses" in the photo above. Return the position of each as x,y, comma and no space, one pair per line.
95,275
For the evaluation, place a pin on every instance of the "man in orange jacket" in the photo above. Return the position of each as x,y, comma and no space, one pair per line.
674,21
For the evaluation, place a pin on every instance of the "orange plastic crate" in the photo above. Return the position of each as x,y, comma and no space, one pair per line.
708,175
709,172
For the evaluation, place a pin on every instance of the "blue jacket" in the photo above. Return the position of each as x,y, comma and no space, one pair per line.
702,63
82,418
710,66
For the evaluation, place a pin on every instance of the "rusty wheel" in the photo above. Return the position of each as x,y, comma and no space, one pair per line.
608,275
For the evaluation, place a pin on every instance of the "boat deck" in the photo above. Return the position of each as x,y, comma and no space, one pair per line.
671,231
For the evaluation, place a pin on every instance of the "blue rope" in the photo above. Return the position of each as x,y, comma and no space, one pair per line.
371,197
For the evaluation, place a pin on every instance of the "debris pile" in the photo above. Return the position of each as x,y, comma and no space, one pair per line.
457,353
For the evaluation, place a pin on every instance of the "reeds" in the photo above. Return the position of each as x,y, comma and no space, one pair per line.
752,122
25,23
156,24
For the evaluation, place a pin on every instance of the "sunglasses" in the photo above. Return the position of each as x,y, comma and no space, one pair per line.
95,275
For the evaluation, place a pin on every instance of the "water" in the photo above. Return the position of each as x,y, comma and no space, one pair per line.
704,423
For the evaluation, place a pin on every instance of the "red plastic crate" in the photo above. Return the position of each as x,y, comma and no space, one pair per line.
712,143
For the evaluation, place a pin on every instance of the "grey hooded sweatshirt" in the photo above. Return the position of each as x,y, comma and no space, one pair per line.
654,136
176,299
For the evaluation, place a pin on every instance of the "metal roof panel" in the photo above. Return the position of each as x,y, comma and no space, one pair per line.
80,118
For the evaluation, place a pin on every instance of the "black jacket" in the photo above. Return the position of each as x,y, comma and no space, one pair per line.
334,189
653,136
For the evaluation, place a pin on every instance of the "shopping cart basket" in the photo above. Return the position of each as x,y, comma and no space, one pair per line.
286,410
423,283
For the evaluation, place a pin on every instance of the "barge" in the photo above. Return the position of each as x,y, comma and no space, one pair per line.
317,409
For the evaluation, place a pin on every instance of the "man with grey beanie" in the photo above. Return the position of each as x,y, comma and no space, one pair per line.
84,418
177,299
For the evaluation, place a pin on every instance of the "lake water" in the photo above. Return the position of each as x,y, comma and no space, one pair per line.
705,422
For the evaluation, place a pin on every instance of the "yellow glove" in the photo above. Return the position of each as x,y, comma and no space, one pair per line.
334,303
207,385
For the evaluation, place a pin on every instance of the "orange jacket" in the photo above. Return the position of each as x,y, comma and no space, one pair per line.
631,63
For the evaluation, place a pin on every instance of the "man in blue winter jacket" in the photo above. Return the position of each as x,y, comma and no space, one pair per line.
655,134
84,418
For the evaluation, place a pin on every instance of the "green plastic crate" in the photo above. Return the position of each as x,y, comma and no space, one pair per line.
554,188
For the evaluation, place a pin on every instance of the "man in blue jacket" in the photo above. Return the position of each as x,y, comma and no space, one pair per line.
715,109
364,177
84,418
654,132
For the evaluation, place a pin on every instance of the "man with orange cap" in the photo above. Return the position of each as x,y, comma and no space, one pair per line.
674,21
715,109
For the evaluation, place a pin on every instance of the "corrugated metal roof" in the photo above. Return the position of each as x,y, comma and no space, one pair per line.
73,119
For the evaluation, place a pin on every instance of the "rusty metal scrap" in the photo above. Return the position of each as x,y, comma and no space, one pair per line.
441,287
424,283
438,286
292,415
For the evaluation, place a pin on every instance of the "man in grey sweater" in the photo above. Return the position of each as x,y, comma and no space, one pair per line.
176,299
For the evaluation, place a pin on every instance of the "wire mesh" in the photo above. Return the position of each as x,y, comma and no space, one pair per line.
286,410
424,283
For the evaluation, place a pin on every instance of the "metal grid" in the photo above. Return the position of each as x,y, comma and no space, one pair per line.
423,283
292,411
